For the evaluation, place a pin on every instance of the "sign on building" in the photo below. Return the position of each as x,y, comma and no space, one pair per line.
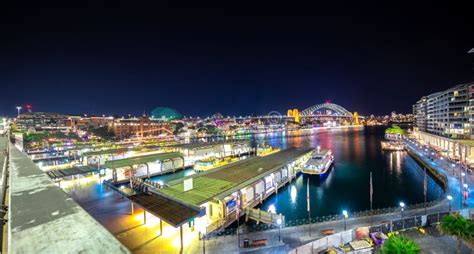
188,184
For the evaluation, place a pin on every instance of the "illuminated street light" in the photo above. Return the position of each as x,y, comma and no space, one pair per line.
402,205
449,197
18,108
345,214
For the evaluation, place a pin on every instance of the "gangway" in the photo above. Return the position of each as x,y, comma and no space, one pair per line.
259,215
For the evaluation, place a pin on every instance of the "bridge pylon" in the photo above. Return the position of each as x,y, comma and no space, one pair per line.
356,118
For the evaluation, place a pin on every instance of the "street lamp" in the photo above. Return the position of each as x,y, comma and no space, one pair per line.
453,165
449,197
279,222
402,205
18,108
345,214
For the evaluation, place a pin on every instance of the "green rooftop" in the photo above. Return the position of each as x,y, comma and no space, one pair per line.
227,179
395,129
141,160
106,151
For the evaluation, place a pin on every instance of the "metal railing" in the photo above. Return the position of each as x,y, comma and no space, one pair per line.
327,218
3,192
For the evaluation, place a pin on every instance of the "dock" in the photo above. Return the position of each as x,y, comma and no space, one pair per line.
231,189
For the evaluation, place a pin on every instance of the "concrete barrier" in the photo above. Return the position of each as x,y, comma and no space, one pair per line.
43,219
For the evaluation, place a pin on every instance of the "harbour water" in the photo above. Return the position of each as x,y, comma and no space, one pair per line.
396,176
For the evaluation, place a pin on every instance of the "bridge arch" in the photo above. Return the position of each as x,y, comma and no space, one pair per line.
334,107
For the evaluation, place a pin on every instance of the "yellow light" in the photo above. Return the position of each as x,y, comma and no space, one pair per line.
188,238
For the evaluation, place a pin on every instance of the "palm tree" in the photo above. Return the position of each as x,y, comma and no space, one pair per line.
459,227
399,245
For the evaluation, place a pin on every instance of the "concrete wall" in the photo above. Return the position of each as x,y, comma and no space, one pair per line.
43,219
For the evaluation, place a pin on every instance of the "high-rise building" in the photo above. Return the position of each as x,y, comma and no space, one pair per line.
419,114
449,113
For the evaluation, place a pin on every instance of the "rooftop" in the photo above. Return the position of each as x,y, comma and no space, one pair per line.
141,159
202,145
170,211
227,179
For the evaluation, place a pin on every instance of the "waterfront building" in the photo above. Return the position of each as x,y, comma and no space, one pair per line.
444,120
85,122
447,113
419,113
42,121
138,127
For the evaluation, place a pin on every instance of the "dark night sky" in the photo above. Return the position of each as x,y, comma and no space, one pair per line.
111,58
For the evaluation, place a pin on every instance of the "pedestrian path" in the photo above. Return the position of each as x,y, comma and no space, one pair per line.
449,168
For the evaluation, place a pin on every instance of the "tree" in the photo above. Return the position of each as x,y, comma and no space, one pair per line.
399,245
103,132
459,227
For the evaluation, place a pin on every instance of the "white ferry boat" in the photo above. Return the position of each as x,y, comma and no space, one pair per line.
320,162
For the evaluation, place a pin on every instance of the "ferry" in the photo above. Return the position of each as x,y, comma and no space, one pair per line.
266,150
392,146
211,163
320,162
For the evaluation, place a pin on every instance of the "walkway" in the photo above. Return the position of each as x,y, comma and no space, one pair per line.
441,164
43,219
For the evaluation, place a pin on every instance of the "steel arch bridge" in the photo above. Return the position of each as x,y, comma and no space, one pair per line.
331,106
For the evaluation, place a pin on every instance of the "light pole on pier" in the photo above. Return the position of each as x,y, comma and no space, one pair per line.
345,215
402,206
279,222
449,197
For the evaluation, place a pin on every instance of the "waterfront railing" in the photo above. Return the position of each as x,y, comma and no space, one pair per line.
330,218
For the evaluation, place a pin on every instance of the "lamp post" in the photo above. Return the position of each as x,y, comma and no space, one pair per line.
345,215
279,222
449,197
18,108
402,206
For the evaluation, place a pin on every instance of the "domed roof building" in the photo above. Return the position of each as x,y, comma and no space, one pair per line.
164,113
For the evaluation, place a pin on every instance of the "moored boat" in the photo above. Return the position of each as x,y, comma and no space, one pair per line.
392,146
320,162
211,163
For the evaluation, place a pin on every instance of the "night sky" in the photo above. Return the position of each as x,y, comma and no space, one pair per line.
229,57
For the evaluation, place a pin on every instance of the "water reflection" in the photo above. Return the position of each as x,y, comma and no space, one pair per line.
293,194
396,176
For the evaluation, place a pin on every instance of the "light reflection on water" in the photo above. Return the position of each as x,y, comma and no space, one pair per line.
396,176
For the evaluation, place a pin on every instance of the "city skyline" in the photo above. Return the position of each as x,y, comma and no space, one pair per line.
124,59
226,127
